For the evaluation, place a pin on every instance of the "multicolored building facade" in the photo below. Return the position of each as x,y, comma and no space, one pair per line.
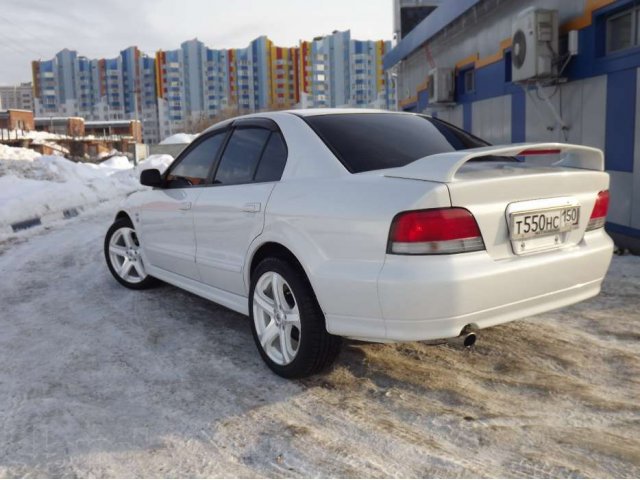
183,89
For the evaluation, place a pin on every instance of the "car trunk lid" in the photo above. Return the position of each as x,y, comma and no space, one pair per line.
500,192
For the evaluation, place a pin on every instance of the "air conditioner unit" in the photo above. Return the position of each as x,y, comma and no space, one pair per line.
440,85
534,44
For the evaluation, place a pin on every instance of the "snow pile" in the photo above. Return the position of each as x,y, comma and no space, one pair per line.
16,153
61,185
59,149
34,185
179,138
118,162
112,153
159,162
32,134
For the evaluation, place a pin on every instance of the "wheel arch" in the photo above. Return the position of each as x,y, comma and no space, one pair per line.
123,214
274,249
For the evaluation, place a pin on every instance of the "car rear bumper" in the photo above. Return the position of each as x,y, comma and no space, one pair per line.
432,297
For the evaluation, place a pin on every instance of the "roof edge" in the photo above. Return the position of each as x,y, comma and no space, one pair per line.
425,30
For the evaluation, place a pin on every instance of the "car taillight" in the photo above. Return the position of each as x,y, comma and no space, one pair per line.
599,214
436,231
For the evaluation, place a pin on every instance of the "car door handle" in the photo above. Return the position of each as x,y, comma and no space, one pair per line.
185,206
251,207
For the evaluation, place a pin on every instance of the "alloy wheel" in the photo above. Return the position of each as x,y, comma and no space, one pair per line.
124,254
277,318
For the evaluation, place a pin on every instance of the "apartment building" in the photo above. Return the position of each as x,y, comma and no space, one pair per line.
98,89
18,97
285,82
327,70
368,82
182,89
217,81
45,88
192,85
139,96
196,83
337,71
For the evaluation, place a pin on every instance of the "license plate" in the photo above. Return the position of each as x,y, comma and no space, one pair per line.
539,223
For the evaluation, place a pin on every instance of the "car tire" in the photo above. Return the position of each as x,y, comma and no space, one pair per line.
300,345
122,253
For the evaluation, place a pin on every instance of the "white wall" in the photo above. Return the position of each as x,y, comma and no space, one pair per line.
581,105
491,119
621,197
452,115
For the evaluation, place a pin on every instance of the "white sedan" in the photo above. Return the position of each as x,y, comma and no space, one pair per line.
370,225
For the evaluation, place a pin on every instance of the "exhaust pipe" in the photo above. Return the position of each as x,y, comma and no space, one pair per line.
467,338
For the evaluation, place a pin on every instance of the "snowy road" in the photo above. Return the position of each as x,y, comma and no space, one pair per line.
96,380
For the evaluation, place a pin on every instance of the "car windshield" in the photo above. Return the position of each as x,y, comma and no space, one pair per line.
374,141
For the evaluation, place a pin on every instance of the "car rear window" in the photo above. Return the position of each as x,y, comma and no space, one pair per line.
374,141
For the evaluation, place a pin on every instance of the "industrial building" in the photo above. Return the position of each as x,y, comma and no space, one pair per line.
14,119
534,70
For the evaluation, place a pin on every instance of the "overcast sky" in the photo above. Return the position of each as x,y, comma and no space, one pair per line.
37,29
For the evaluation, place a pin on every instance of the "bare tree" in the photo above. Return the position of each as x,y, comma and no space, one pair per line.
273,106
203,122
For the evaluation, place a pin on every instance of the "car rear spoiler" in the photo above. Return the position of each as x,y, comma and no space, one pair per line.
442,167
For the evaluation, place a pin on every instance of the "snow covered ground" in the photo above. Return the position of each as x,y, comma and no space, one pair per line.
35,186
97,380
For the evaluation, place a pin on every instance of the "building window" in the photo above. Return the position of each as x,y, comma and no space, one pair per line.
470,81
623,30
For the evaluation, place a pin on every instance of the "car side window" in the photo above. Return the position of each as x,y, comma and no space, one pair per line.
193,169
273,160
240,158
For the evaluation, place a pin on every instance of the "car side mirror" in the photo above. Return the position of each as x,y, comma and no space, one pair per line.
151,178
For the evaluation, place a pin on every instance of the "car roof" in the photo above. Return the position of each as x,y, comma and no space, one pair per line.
304,112
310,112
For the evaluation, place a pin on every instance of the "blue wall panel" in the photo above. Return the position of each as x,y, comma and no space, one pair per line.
423,100
592,59
466,116
623,229
621,120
